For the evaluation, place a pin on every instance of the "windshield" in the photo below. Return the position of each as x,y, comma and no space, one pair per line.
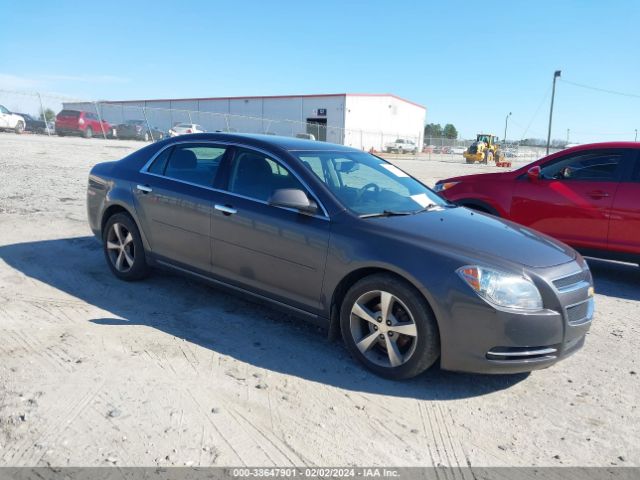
367,185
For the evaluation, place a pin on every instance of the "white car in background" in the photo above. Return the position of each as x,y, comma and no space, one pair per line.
185,128
11,121
457,150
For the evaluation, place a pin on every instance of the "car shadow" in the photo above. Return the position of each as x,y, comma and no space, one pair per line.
615,279
224,323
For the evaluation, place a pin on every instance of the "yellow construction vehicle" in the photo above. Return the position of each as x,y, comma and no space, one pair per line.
484,150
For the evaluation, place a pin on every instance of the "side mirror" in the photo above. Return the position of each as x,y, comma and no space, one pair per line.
293,198
533,174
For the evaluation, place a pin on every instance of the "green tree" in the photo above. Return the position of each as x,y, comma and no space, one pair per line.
48,115
433,130
450,131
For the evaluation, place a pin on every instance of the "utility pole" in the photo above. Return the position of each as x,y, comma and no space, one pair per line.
636,135
506,121
568,130
556,74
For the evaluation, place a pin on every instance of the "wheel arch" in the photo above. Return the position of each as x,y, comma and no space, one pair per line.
342,287
479,205
115,208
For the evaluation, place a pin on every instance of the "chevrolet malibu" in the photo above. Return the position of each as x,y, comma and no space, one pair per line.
350,242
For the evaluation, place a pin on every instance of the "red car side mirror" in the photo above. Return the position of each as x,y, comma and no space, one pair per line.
534,174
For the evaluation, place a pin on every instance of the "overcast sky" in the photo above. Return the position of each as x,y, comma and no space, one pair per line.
469,63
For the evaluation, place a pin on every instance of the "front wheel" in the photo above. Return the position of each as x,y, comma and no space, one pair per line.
19,127
123,248
388,326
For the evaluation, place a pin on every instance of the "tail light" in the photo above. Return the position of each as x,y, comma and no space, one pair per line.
189,131
81,121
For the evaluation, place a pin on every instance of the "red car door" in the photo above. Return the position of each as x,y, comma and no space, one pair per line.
624,227
572,198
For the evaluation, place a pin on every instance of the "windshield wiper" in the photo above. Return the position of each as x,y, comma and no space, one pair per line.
385,213
431,206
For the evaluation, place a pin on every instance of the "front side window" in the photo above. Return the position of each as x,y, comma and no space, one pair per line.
3,109
191,163
368,185
588,166
257,176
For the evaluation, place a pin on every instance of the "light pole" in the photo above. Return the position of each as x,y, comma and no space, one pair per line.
556,74
568,130
506,121
636,135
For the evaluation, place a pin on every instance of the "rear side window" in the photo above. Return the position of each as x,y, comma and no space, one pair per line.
588,166
197,164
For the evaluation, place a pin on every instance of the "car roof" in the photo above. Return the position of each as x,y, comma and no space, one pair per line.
284,143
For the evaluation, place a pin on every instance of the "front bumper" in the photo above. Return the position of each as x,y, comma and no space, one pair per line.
479,338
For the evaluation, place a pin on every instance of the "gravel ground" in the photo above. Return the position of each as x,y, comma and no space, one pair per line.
94,371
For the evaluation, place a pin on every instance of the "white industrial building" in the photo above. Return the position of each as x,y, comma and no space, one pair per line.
359,120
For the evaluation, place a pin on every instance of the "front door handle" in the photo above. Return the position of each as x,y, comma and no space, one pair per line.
225,209
598,194
144,188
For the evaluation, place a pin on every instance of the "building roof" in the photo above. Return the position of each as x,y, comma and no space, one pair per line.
266,97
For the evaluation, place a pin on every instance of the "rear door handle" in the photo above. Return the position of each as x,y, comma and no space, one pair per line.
598,194
225,209
144,188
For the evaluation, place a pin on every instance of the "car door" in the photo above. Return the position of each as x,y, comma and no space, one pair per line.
4,117
275,251
572,199
174,199
624,226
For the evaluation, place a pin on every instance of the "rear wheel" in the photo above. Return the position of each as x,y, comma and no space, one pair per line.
88,133
123,248
388,326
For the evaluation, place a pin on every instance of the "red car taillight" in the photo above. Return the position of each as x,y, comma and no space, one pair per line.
81,121
189,130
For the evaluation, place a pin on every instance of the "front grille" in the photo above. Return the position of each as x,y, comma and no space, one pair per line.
580,313
570,281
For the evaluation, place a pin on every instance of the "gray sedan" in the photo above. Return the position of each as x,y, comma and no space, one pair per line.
348,241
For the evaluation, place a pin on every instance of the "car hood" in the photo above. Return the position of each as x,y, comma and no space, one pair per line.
478,235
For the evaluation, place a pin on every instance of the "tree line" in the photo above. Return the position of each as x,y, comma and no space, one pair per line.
435,130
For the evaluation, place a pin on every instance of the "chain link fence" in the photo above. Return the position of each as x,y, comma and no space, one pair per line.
155,122
151,123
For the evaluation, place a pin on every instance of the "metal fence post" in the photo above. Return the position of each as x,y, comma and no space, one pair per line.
44,116
95,104
146,120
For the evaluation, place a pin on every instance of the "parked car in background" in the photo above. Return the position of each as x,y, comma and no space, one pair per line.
401,145
33,125
137,130
350,242
185,128
11,121
87,124
586,196
457,150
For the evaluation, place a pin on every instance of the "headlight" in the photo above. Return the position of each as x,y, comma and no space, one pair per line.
443,186
502,289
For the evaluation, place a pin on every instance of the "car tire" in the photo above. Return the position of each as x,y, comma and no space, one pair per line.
88,133
19,127
146,137
123,248
376,339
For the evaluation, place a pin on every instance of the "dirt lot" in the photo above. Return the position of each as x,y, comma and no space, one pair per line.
94,371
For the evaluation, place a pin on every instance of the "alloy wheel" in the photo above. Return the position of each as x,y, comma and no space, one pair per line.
120,247
383,328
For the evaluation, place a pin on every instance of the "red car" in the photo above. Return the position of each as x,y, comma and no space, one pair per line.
587,196
87,124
